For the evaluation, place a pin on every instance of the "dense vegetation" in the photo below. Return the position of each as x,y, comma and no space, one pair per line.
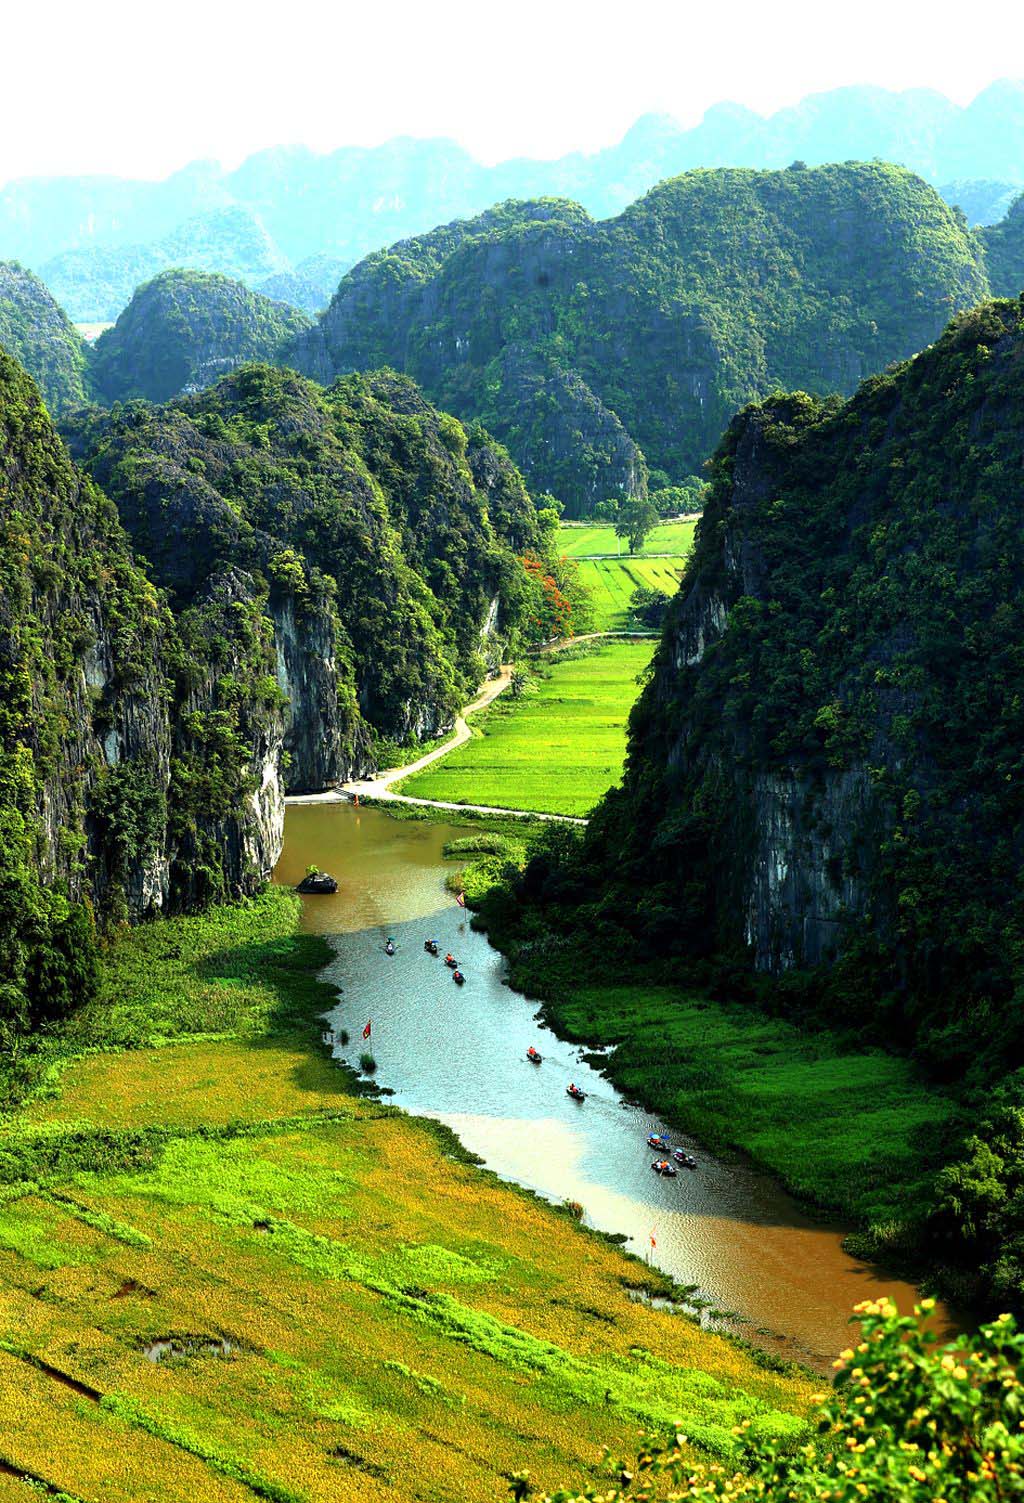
183,330
127,751
821,810
330,570
37,333
910,1422
195,1172
1004,252
580,344
364,508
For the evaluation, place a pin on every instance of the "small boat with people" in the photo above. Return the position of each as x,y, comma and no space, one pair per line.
458,978
451,962
664,1168
686,1159
534,1057
389,948
574,1091
317,882
657,1140
430,945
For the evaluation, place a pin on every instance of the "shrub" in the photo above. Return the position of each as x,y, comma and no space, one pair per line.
908,1422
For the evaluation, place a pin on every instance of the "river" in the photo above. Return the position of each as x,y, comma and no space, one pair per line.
459,1054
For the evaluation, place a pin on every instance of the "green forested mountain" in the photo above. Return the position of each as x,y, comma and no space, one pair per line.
310,286
822,802
37,333
133,743
388,530
85,234
581,343
1004,252
183,330
302,573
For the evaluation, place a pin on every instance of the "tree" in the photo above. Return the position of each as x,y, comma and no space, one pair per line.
647,607
635,520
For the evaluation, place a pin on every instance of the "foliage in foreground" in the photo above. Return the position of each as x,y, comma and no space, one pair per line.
909,1422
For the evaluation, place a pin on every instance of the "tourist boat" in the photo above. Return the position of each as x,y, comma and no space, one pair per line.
663,1167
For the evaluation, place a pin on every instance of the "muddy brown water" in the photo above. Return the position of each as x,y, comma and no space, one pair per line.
459,1054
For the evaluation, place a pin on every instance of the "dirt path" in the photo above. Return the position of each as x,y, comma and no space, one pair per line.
379,790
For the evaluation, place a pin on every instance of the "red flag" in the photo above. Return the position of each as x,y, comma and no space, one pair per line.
653,1239
366,1031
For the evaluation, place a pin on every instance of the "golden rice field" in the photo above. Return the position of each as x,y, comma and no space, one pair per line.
348,1308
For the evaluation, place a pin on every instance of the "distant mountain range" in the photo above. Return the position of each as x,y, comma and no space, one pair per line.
289,221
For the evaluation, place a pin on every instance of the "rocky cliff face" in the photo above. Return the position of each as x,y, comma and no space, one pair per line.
586,346
381,537
133,771
821,774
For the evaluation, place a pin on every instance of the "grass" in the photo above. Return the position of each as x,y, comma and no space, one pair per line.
402,1325
557,749
588,540
852,1130
611,582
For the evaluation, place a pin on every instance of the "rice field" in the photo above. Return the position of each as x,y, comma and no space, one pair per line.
226,1275
555,750
588,540
611,582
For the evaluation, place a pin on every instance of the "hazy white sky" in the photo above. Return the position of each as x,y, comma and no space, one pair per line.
142,87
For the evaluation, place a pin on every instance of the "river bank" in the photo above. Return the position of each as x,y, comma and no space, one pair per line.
852,1130
353,1309
459,1054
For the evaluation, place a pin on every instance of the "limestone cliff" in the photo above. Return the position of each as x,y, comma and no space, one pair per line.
587,347
822,774
136,772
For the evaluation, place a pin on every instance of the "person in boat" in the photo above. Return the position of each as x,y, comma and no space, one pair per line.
390,946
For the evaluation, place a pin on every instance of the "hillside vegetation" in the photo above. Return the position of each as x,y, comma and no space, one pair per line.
289,581
591,347
1004,252
182,331
36,332
370,514
820,811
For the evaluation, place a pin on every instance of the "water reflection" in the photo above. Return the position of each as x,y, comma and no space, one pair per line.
459,1054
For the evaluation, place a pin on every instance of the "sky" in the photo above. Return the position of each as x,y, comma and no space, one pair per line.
140,88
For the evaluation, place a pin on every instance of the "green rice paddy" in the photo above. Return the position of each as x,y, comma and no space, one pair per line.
588,540
557,749
611,582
